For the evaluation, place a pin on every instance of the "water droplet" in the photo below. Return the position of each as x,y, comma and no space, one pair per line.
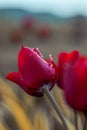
51,58
30,55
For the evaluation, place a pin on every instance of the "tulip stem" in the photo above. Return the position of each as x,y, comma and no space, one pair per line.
56,107
85,121
76,120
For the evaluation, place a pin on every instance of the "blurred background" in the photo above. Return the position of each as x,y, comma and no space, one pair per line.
52,26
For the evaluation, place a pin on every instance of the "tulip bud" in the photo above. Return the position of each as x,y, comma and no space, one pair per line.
34,71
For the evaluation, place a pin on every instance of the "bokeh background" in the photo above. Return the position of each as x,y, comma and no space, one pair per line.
52,26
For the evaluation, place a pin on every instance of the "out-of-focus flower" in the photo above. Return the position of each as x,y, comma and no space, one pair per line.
44,31
34,71
73,79
27,22
16,36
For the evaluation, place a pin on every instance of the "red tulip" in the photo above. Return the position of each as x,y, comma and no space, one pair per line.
73,79
63,58
28,22
34,71
44,31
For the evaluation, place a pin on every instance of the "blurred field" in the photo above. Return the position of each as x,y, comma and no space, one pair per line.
64,37
19,111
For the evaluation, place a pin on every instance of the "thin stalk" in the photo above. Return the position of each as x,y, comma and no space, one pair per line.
85,123
56,107
76,120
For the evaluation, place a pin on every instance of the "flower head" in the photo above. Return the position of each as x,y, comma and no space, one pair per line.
65,59
44,31
28,22
34,71
73,79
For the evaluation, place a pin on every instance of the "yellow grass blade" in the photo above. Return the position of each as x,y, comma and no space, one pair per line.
5,89
41,121
19,114
2,126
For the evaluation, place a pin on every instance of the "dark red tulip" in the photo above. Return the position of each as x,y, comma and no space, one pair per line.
73,79
63,58
34,71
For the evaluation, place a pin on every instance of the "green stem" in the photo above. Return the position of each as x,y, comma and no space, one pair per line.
85,121
76,120
56,107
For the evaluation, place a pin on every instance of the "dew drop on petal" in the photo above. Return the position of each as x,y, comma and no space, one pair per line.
51,65
30,55
51,58
37,51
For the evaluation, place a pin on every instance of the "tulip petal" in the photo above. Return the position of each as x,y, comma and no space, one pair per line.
73,56
15,77
68,57
18,79
61,58
37,51
64,61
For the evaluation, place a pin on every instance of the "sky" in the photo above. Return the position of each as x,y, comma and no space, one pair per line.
58,7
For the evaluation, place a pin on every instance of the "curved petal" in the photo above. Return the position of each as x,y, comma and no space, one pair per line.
68,57
38,52
18,79
73,56
65,61
61,58
15,77
52,64
28,59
